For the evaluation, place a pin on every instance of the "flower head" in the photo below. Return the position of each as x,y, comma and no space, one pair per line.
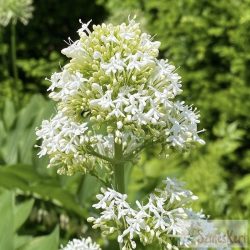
114,90
81,244
16,10
164,218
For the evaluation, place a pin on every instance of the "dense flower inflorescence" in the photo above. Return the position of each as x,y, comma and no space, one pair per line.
165,218
15,10
113,91
81,244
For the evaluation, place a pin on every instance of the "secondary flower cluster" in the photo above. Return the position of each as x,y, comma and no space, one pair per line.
113,91
15,10
82,244
165,218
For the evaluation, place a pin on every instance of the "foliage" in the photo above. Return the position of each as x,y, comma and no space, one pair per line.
17,129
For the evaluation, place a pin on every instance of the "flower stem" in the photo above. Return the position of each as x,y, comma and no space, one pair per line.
5,68
118,167
80,189
120,246
17,85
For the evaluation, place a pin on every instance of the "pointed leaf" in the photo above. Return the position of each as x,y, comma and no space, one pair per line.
22,212
9,114
49,242
21,240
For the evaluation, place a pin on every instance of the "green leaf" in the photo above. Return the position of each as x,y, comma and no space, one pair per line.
3,133
244,183
9,151
11,181
6,222
59,196
41,109
21,213
9,114
49,242
24,177
20,241
21,138
24,172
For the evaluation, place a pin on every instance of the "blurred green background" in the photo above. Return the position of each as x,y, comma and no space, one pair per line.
209,42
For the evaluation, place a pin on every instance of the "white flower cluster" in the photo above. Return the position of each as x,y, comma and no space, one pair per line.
165,218
113,91
81,244
67,137
15,10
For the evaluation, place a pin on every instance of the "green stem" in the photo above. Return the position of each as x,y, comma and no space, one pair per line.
98,178
2,55
118,167
80,189
120,246
13,50
17,84
91,151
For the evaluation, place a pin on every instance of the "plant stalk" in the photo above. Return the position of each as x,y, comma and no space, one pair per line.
2,54
118,167
13,50
17,88
80,191
120,246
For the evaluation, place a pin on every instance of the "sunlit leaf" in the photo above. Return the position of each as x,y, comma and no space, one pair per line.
21,213
6,221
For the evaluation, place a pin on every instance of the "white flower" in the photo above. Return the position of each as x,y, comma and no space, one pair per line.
61,136
116,64
115,85
15,10
81,244
127,33
65,85
105,101
163,217
85,28
74,50
139,60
